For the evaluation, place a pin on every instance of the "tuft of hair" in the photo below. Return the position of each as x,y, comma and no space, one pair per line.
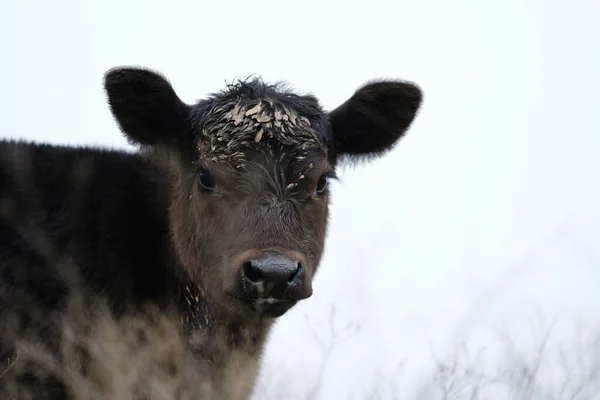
254,88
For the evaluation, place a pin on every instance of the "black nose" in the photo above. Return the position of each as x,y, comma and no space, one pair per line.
274,274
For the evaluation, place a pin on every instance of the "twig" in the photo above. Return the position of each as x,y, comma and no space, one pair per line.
10,364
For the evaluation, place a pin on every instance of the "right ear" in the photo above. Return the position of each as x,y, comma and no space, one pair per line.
146,107
374,119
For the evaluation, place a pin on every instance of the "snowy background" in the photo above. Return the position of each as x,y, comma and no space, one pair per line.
482,227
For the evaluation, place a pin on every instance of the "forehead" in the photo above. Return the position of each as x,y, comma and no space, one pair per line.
253,118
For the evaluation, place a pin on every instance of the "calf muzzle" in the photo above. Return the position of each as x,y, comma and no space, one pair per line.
273,282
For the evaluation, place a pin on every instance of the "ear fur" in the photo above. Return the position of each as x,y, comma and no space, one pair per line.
146,107
371,121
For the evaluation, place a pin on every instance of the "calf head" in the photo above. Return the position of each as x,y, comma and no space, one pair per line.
249,169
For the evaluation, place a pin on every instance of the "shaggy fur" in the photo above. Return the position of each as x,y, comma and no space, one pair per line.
128,270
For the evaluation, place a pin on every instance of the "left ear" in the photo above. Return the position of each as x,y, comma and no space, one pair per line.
371,121
146,107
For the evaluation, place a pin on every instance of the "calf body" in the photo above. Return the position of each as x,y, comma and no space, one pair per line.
214,228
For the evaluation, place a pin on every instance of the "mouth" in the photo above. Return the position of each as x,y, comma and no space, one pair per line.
273,307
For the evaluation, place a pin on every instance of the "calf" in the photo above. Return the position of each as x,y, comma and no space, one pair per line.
217,226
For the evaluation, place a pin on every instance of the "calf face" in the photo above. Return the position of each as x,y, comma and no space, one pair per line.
249,169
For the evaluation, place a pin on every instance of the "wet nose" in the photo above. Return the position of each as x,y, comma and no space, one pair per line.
274,274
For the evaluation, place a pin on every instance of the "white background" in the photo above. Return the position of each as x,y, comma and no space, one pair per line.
487,212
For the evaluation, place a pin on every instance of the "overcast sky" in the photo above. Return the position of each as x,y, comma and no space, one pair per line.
489,207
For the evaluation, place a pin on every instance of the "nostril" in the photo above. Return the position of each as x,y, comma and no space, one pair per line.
253,273
295,273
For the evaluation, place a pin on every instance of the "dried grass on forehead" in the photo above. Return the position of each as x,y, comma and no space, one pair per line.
259,116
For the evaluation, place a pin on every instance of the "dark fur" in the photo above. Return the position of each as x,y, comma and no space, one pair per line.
137,231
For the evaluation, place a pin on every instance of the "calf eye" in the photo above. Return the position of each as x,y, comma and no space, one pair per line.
322,184
207,182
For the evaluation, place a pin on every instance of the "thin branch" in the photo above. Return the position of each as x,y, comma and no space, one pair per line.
10,364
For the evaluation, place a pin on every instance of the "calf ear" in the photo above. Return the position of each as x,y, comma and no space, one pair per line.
146,107
371,121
